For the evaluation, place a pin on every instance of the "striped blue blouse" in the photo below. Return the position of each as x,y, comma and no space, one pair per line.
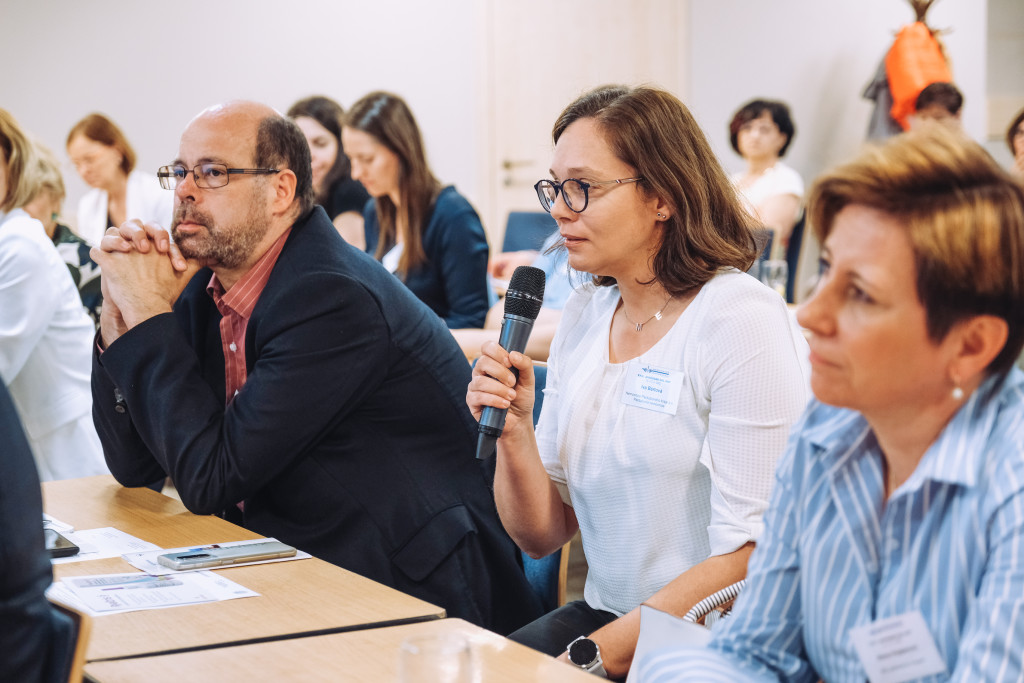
836,555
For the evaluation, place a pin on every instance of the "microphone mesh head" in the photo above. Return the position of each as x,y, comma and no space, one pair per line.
525,292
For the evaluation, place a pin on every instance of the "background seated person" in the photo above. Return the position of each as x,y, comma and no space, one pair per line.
45,207
105,160
1015,140
428,235
672,382
295,386
558,285
760,132
902,490
342,197
940,102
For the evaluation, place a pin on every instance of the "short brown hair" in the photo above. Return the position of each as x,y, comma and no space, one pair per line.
652,131
279,141
20,158
964,216
389,120
779,112
945,95
99,128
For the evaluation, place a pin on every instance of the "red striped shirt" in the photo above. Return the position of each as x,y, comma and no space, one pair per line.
236,307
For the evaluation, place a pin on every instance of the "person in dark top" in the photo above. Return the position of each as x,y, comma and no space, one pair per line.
294,385
343,198
429,236
34,637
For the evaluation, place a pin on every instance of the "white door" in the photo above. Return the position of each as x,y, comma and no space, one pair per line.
539,57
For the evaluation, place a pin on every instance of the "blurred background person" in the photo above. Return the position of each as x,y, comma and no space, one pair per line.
760,132
558,285
1015,139
45,334
46,207
343,198
428,235
942,102
106,162
672,381
902,490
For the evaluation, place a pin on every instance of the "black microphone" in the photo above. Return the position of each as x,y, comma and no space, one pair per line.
522,304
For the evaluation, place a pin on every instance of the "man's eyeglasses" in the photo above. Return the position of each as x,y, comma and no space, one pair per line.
208,176
576,193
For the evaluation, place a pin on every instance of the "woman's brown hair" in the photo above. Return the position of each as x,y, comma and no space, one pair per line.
652,131
388,119
330,115
20,158
99,128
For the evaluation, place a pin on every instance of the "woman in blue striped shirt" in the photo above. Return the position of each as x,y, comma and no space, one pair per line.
894,540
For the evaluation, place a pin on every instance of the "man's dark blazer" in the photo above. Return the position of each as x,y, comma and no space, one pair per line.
350,439
36,641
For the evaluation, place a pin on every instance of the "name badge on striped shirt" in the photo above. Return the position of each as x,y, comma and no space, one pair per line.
652,388
897,649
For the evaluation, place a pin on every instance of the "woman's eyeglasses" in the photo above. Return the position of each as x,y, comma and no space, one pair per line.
576,193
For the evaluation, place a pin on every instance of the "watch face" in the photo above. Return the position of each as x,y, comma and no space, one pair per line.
583,652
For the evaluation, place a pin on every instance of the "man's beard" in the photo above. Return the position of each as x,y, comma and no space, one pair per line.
228,246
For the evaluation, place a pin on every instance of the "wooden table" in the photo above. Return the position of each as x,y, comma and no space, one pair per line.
370,655
302,597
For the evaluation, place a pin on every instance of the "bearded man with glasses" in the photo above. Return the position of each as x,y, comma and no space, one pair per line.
284,379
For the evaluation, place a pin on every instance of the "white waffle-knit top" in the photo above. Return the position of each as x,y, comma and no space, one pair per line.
656,493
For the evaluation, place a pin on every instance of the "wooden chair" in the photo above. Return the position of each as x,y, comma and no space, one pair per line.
78,644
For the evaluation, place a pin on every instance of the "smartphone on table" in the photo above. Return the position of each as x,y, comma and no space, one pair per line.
58,545
217,556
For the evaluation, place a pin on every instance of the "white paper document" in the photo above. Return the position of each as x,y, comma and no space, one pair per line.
57,525
115,593
147,562
659,629
97,544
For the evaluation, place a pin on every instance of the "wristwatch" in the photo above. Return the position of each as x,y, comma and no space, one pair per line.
584,653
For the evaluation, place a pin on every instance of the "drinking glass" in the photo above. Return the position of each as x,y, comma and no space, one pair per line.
775,274
434,659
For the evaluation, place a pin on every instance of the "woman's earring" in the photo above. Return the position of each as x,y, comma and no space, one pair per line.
958,393
662,216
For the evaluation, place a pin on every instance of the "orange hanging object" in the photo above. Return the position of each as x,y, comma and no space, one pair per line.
915,61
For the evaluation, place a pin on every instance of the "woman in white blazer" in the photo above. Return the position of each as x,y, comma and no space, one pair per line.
106,162
45,333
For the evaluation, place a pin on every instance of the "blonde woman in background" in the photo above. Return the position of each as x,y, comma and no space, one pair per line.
46,207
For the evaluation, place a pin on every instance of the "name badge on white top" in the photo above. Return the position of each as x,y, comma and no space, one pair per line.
897,649
652,388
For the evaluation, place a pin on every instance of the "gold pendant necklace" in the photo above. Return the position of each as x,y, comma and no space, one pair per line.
657,316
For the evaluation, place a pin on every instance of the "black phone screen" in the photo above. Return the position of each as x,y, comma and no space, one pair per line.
57,545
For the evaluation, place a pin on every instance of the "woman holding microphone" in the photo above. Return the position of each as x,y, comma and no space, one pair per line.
672,380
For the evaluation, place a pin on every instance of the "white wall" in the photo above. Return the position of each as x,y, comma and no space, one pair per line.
817,55
151,66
